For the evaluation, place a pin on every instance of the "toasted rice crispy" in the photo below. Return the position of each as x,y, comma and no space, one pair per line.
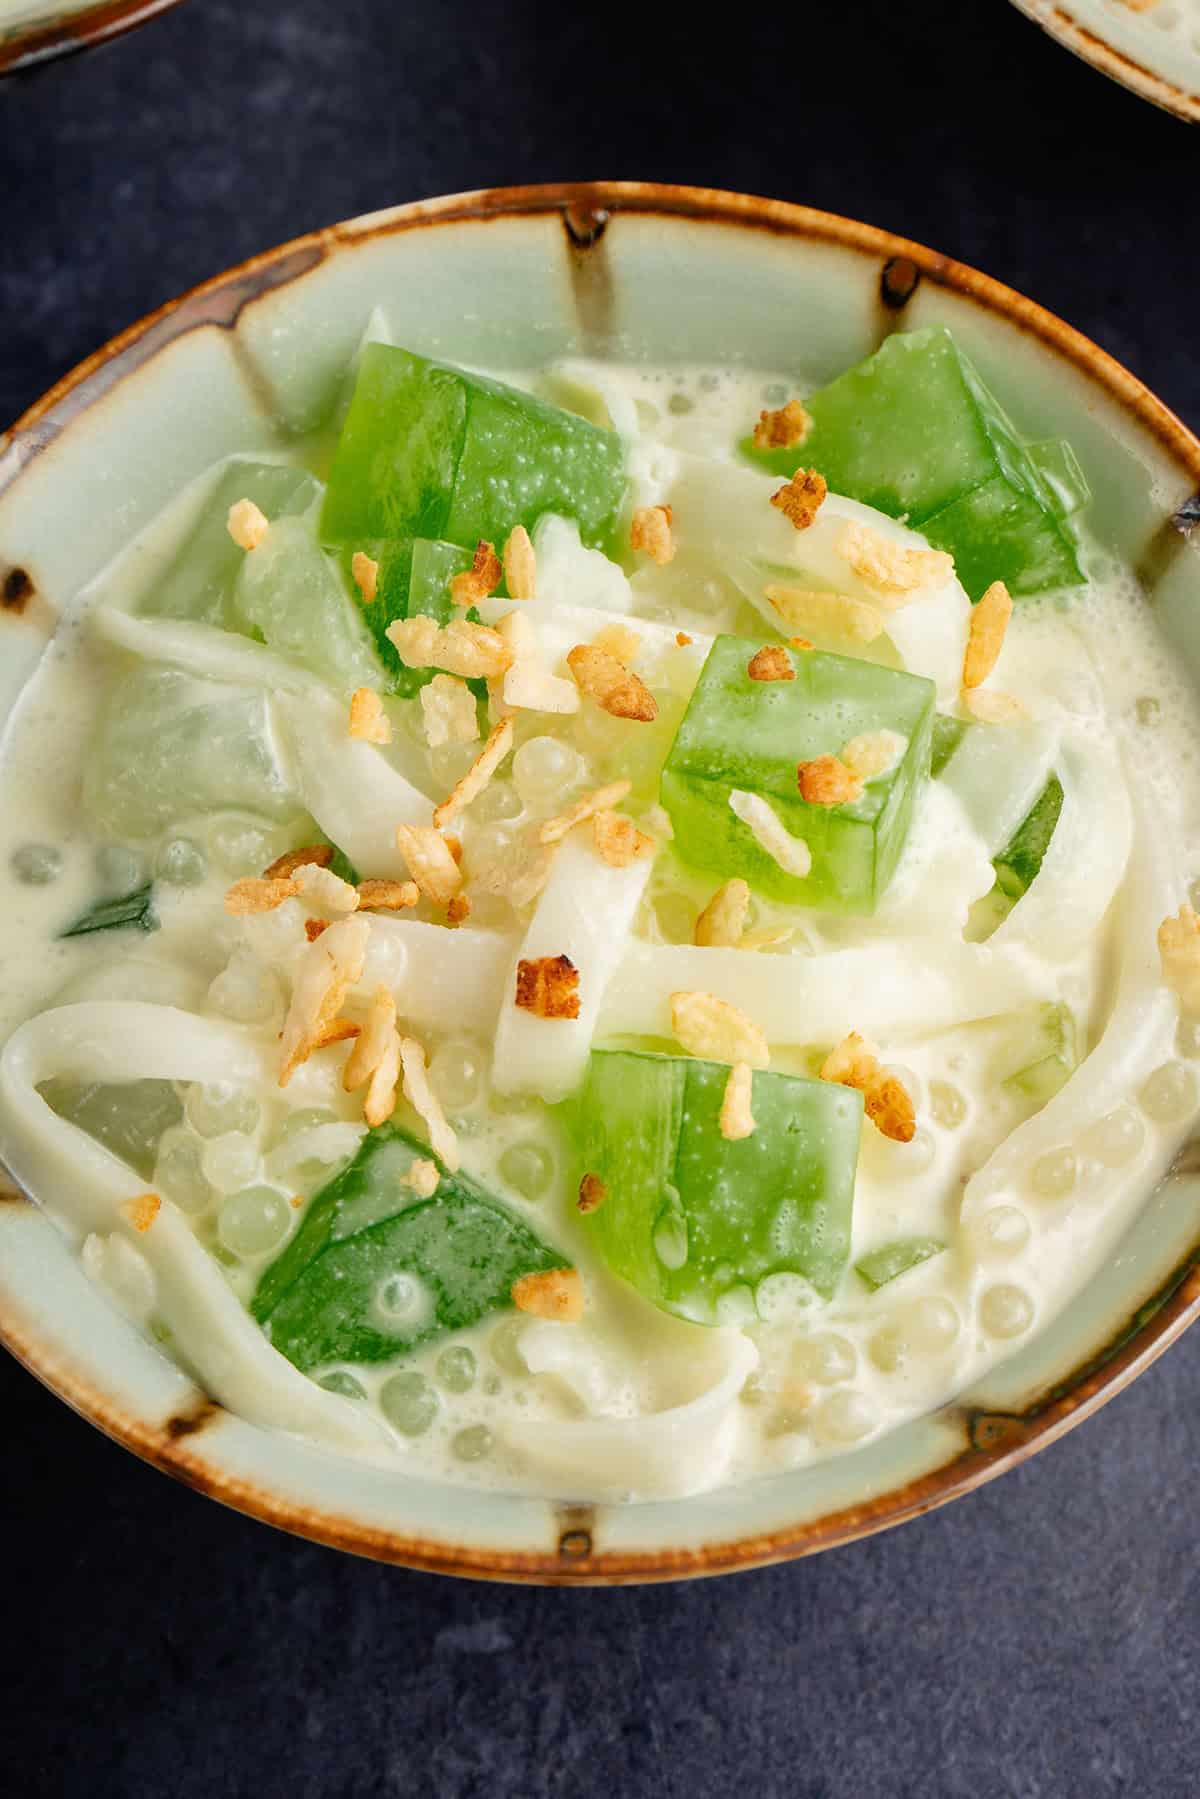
247,524
425,1103
431,862
460,648
141,1212
520,565
650,533
783,429
620,640
827,614
448,712
737,1119
771,834
592,1194
555,1293
259,893
372,1040
710,1027
615,688
618,840
472,784
1179,950
459,909
826,781
365,574
388,896
548,986
682,639
771,663
481,579
723,920
321,888
895,570
339,1030
988,707
801,498
853,1063
319,853
600,799
985,639
313,928
325,971
873,753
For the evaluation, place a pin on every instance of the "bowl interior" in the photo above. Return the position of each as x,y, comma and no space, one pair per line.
256,358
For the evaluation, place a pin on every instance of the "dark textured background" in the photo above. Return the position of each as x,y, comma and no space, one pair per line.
1039,1640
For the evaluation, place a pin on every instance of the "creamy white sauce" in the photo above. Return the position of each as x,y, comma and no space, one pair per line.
1091,673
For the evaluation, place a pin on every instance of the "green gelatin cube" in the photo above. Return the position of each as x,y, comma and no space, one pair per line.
170,745
375,1270
199,582
1018,863
947,735
1047,1057
288,594
749,736
431,451
128,1117
913,431
1062,475
891,1259
690,1216
413,577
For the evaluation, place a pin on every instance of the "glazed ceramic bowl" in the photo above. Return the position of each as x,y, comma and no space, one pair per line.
511,277
32,31
1155,52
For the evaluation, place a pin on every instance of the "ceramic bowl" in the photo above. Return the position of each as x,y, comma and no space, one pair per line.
513,276
1155,52
32,31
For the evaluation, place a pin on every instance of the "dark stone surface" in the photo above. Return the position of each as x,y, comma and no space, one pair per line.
1039,1640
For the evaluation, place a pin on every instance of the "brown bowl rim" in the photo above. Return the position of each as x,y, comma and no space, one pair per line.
1059,24
994,1441
29,45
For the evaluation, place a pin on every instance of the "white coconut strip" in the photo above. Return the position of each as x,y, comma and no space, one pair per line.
205,650
659,1455
82,1186
571,575
455,979
930,636
883,990
1085,863
997,773
585,912
559,628
350,787
1138,1036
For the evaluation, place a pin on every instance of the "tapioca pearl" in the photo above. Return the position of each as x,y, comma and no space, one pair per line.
181,863
890,1349
1170,1093
528,1167
409,1403
338,1381
472,1444
1005,1311
1054,1174
120,869
947,1105
178,1174
1187,1037
544,770
230,1162
458,1073
215,1107
498,801
456,1368
487,845
893,1161
826,1358
782,1298
307,1118
449,762
254,1222
844,1417
1114,1139
999,1233
932,1324
504,1346
36,864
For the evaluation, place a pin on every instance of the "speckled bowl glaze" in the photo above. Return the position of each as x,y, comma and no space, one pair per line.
512,276
32,31
1155,53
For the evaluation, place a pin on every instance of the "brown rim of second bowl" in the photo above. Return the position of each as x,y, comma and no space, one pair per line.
1059,24
68,32
991,1442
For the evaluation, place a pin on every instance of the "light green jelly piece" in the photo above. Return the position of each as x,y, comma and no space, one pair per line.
750,735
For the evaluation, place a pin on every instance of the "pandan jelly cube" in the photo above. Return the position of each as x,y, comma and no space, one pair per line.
431,451
913,431
413,576
696,1221
749,736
